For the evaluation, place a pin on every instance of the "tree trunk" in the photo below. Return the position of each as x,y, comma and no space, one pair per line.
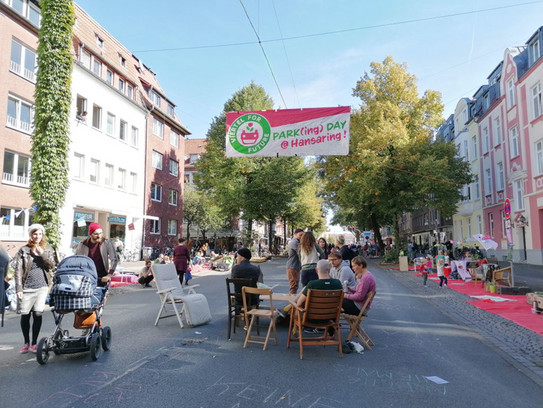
188,231
270,237
377,232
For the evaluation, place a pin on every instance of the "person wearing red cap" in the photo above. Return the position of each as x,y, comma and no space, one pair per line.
101,251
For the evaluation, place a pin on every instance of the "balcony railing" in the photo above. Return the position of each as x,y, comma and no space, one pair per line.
27,73
9,178
26,127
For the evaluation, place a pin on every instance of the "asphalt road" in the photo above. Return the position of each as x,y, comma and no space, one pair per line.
167,366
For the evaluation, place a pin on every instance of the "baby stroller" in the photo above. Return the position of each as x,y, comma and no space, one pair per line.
75,290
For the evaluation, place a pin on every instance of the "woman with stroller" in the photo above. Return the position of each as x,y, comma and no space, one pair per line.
34,265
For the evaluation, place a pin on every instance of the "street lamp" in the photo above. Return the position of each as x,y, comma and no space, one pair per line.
523,222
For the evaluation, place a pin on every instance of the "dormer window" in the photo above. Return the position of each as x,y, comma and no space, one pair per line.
122,61
99,42
535,52
155,98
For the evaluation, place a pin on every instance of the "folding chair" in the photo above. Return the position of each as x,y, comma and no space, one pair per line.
322,309
171,292
355,324
234,297
251,314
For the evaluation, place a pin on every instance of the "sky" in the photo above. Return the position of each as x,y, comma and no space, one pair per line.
312,52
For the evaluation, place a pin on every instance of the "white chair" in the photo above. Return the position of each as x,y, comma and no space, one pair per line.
172,293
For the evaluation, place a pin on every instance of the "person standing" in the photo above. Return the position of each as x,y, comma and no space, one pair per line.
346,253
440,265
354,300
293,261
324,246
34,265
181,258
101,251
310,253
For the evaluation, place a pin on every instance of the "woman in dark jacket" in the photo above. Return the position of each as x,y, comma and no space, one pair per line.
34,265
181,258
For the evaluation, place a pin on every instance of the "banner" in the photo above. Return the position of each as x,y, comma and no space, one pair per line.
288,132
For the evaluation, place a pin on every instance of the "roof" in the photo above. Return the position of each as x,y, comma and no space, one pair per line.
195,146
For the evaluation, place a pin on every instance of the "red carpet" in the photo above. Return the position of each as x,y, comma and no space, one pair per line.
517,311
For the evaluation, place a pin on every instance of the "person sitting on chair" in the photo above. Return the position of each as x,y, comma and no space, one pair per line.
354,300
146,275
244,269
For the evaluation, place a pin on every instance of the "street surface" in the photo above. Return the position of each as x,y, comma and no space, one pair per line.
419,333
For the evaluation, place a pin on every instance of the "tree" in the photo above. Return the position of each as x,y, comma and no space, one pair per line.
393,166
50,143
254,188
200,210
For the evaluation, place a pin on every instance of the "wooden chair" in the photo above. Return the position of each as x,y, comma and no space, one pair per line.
354,324
502,276
476,275
252,314
171,292
322,310
235,303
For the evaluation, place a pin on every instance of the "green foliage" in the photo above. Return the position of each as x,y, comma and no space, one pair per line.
259,189
392,255
394,167
50,143
200,210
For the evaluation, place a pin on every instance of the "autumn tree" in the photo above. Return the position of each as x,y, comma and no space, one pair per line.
50,143
394,166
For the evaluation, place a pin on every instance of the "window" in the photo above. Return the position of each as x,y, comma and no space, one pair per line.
536,101
110,127
477,187
174,168
79,166
194,158
172,227
486,140
134,140
27,10
539,157
23,61
121,85
85,58
122,180
123,128
535,52
501,180
469,227
133,182
513,142
97,67
96,117
158,128
174,138
511,99
474,145
488,182
157,160
486,103
14,223
154,226
171,111
81,108
172,197
479,224
518,194
155,98
94,171
130,91
99,42
466,153
491,224
109,77
156,192
122,61
16,169
20,115
108,175
497,131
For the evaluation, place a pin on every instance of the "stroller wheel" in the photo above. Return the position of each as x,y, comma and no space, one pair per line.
43,351
106,338
95,347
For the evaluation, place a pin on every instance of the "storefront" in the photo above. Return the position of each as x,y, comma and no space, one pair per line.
114,225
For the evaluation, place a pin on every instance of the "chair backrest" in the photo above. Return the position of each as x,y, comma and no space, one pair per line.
323,305
234,286
165,276
370,297
247,291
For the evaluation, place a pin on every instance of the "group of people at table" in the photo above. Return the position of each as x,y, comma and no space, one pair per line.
339,270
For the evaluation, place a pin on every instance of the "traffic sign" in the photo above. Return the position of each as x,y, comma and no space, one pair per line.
507,208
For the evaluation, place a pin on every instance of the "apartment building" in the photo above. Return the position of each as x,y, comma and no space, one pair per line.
19,24
126,139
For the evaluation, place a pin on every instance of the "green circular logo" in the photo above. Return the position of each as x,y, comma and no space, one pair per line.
250,133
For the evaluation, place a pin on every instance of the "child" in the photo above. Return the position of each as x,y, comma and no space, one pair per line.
425,269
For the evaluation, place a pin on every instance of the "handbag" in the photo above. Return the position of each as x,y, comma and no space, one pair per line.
188,275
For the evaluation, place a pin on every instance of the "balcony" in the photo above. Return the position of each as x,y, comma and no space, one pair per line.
16,180
23,126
